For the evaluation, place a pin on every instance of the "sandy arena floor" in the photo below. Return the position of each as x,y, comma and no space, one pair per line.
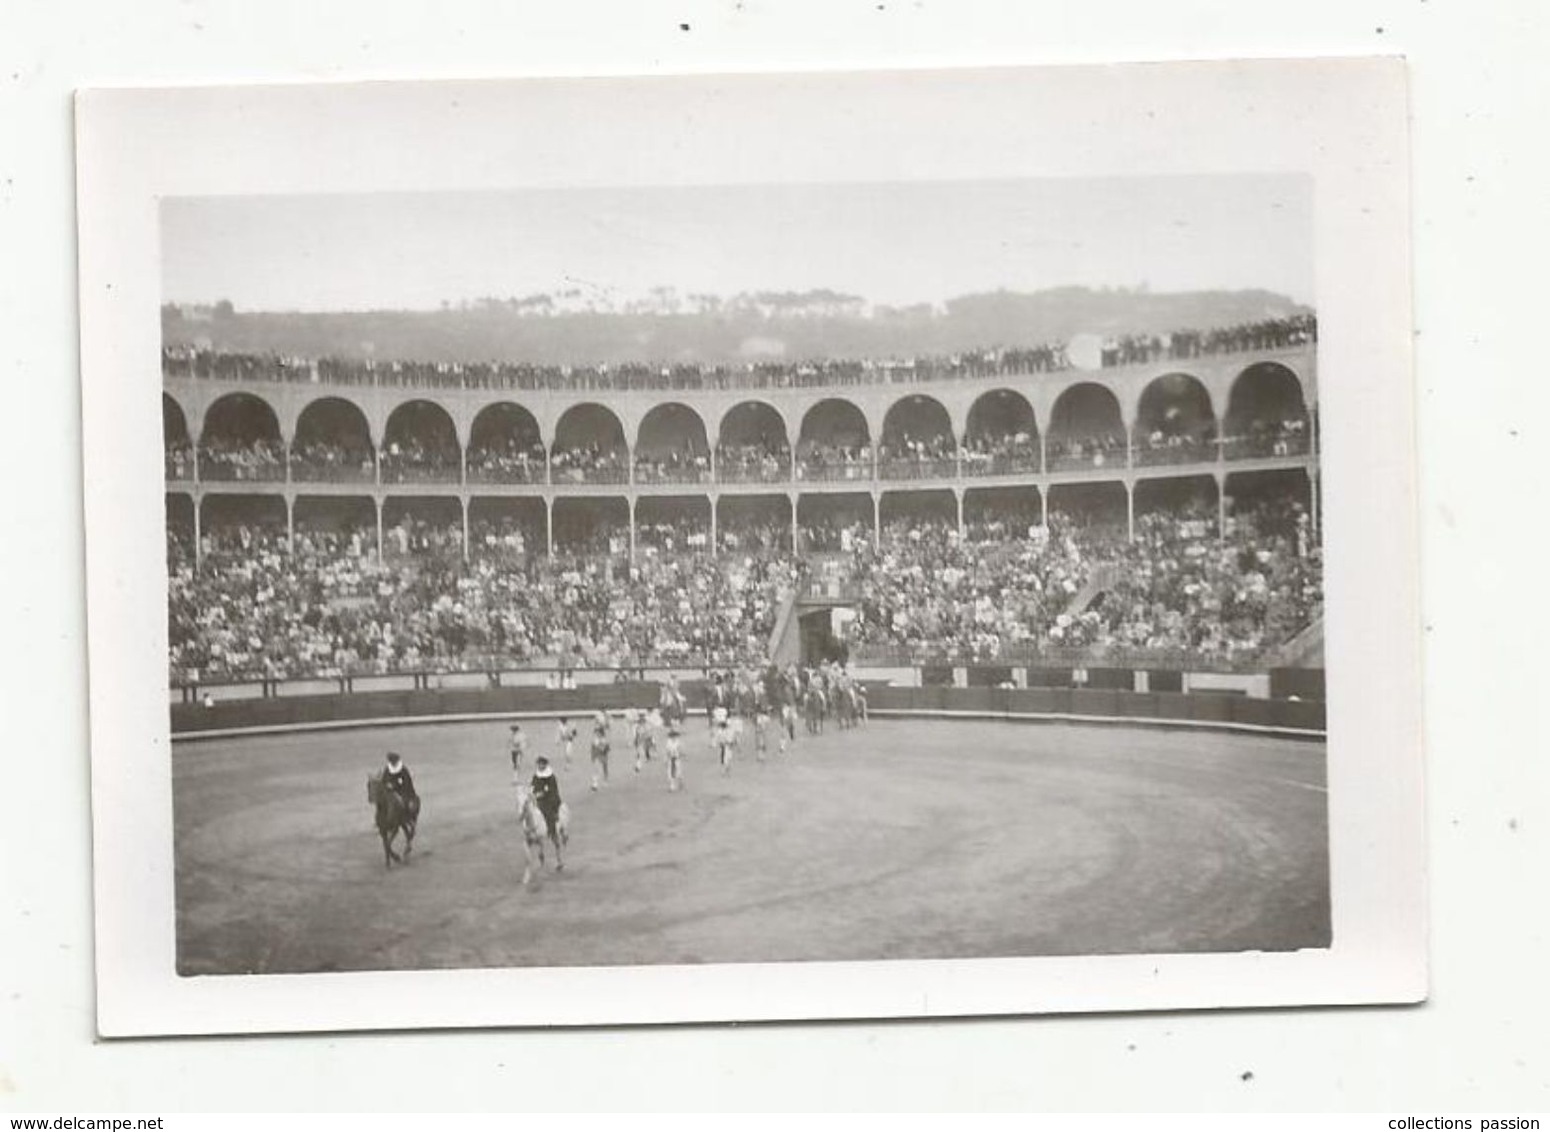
908,839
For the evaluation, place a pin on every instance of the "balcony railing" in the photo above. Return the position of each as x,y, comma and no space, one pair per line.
223,471
1167,454
1021,464
760,473
1086,461
508,473
906,469
305,471
830,471
213,470
1265,447
421,473
652,474
605,475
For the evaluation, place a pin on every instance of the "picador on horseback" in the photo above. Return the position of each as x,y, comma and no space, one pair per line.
392,794
396,777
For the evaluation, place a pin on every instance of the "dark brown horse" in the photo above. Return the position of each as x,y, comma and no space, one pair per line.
393,815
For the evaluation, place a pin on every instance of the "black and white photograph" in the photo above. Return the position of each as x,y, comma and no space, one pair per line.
867,575
742,532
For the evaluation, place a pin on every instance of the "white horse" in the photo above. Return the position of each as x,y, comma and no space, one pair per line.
535,830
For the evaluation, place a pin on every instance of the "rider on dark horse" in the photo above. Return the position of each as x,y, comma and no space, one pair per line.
396,777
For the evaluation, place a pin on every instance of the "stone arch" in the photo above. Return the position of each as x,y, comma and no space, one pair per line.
1001,436
753,444
420,445
917,440
835,442
1267,414
177,448
240,440
1086,429
505,445
589,446
1175,422
671,446
332,443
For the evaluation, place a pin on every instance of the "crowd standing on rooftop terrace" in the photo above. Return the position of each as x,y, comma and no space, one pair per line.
1003,361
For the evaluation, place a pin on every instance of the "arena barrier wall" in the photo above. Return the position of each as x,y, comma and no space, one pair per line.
286,712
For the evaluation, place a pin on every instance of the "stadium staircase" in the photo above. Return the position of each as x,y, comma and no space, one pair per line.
1306,649
786,638
1101,579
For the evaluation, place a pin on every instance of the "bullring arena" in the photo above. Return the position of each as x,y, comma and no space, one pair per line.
906,838
1087,600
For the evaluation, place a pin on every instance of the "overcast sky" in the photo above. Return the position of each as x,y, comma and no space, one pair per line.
889,243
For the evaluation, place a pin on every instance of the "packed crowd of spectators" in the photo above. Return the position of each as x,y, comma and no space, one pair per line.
232,365
323,461
591,463
224,458
908,457
505,537
1090,450
1006,454
1000,361
508,460
926,593
753,462
1262,437
672,465
1175,445
1009,588
412,460
817,460
1004,589
1268,334
665,536
179,459
755,538
259,609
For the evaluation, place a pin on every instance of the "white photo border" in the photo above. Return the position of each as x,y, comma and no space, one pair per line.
1340,121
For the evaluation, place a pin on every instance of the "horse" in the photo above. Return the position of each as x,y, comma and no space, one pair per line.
845,707
393,815
535,829
815,708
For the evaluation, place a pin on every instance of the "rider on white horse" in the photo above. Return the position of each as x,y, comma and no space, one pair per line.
546,796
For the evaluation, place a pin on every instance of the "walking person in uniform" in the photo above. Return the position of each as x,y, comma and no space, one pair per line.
674,750
564,737
600,744
721,737
517,745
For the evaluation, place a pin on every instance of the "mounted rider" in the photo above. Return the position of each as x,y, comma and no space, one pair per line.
546,796
396,777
